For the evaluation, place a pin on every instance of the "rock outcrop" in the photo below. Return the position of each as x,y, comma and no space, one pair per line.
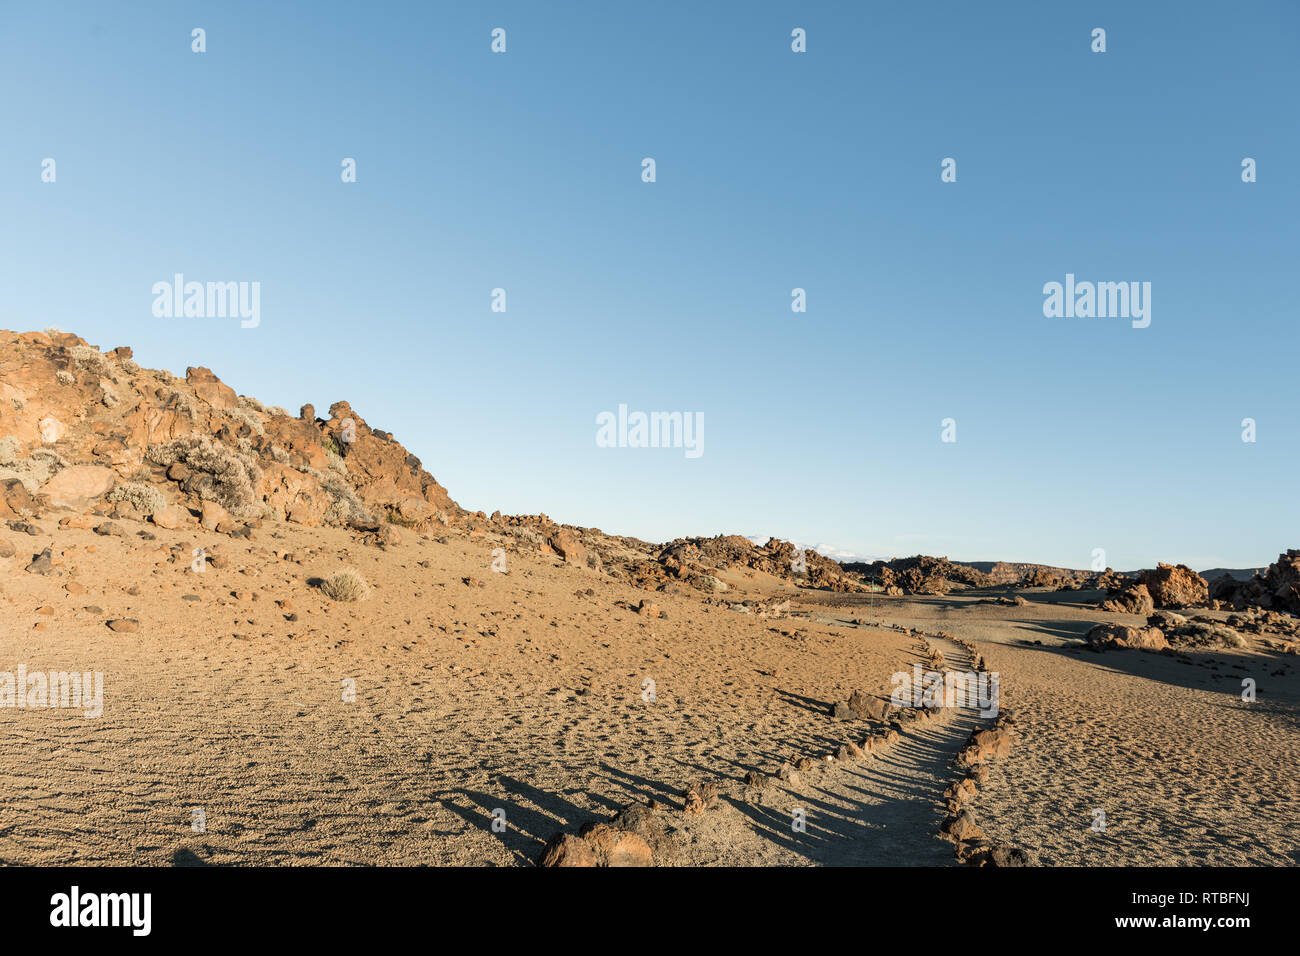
920,574
1276,588
1176,586
1131,599
81,427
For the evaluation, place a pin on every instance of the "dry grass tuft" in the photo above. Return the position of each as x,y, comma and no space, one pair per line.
347,585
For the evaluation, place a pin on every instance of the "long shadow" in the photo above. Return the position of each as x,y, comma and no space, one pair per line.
896,821
528,829
640,788
1067,629
806,703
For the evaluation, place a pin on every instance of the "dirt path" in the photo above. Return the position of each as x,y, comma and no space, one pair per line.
882,810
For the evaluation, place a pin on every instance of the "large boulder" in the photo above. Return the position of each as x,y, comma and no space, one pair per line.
1105,636
565,543
172,517
78,485
1133,599
1176,586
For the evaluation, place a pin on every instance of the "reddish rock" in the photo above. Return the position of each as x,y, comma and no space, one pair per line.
210,388
212,515
565,543
701,795
1176,586
15,500
565,849
1105,636
78,485
172,517
1133,599
868,706
962,828
615,846
1277,587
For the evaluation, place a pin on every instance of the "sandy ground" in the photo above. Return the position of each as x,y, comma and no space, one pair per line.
523,693
1184,771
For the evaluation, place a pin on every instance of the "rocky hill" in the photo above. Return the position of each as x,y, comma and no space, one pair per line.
79,425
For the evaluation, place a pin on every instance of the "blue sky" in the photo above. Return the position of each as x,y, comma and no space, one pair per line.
775,170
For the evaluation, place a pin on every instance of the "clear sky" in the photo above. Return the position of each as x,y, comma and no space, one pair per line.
775,170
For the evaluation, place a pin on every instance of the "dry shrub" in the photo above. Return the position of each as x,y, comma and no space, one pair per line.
144,498
347,509
217,473
347,585
1200,634
243,416
90,358
34,470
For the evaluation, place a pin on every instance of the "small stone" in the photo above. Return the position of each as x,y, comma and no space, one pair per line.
1003,855
171,517
41,563
124,625
701,795
212,515
962,828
